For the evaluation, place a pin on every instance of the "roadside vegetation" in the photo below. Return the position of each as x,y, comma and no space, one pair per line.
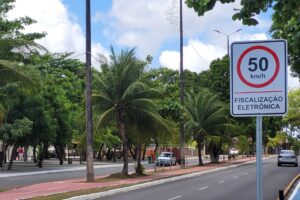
42,101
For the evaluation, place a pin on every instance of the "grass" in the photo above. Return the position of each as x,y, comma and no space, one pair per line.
2,189
118,176
113,177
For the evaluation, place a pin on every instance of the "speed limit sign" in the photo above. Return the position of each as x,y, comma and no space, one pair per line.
258,73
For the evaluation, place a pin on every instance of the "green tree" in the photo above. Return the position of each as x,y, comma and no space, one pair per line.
293,116
217,77
207,116
14,134
12,72
120,96
285,20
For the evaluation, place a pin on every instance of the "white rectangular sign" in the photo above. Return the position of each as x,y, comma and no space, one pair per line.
258,78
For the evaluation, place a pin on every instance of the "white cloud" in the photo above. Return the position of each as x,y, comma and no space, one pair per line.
139,24
149,25
63,32
293,82
197,56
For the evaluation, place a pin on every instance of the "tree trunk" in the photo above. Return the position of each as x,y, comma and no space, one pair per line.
13,155
133,154
121,127
2,155
25,153
214,153
200,153
144,152
60,153
34,154
100,153
80,158
108,154
43,149
114,155
156,146
139,169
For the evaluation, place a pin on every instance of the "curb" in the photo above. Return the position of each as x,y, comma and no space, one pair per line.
157,182
290,186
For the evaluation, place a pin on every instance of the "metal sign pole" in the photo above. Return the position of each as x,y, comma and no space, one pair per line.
259,177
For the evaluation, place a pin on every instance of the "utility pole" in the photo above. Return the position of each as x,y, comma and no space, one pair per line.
182,142
88,85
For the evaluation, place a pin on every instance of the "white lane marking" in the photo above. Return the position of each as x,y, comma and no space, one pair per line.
235,177
175,197
221,181
202,188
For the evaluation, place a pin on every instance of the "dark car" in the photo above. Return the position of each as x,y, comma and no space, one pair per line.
287,157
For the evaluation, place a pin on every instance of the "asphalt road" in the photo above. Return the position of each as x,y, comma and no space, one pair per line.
231,184
18,181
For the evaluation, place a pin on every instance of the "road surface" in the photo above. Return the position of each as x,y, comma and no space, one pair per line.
231,184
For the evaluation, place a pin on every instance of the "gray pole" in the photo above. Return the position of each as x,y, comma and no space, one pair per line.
259,180
182,151
88,85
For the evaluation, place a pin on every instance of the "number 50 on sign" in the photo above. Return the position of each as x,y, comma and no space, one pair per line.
258,78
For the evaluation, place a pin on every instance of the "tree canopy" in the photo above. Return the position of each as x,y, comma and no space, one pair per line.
285,20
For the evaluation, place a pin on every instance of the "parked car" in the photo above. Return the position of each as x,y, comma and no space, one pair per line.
287,157
166,158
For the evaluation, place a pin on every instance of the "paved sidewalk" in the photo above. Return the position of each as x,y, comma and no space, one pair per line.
49,188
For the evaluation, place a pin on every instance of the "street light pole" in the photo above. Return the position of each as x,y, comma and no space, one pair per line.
88,85
227,36
182,142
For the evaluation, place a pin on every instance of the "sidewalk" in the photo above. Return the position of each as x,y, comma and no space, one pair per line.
49,188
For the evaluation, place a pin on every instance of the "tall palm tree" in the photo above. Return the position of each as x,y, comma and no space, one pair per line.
120,96
206,116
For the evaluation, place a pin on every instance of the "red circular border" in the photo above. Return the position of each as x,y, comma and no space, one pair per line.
261,84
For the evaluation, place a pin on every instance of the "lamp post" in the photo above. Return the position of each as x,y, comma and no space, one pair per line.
182,139
227,36
89,116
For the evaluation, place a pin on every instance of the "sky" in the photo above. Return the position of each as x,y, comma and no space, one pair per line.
150,26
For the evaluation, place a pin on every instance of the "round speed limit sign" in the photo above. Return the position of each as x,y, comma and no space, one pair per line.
258,78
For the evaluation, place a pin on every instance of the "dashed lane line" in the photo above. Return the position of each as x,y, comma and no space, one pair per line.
235,177
203,188
175,197
221,181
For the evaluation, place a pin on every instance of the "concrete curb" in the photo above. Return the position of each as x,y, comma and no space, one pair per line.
157,182
287,190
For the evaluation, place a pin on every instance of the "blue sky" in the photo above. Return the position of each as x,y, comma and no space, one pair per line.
149,25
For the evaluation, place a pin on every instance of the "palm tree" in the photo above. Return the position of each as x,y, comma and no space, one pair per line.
206,116
120,96
12,72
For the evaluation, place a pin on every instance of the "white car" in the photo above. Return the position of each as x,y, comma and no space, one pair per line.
166,158
287,157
